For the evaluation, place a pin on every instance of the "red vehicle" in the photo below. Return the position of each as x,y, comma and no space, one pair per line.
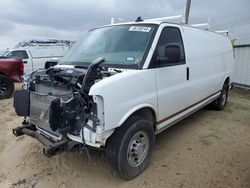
11,71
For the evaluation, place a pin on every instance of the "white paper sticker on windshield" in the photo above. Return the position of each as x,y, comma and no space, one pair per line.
130,59
140,28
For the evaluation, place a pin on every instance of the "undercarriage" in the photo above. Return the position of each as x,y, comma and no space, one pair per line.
50,147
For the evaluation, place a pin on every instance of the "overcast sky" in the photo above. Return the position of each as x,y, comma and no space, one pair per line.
68,19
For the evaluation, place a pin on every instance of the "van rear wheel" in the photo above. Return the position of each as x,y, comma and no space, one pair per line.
221,102
129,149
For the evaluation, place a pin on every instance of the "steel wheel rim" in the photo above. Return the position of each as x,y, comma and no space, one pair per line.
3,87
137,149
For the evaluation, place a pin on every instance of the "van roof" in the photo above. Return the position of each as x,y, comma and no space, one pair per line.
159,22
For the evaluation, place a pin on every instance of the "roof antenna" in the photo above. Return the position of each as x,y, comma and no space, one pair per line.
138,19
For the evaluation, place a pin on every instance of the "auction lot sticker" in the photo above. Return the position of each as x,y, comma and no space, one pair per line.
140,28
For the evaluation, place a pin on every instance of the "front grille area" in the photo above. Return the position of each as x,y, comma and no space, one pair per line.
39,111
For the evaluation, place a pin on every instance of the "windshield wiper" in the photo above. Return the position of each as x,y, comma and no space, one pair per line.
116,70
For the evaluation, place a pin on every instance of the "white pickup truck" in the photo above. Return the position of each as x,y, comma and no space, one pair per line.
120,85
35,55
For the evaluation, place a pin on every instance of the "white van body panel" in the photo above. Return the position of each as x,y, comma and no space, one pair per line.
209,58
136,89
172,86
168,122
174,97
166,90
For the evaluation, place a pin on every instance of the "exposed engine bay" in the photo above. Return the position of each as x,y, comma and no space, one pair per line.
55,102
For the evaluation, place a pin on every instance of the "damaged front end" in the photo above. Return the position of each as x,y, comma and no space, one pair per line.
57,108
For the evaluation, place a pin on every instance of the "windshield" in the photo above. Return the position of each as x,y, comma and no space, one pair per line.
2,53
17,54
122,45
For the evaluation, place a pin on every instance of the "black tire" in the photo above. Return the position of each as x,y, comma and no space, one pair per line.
220,103
120,147
6,87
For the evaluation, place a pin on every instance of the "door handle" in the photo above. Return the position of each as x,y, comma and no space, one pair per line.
187,73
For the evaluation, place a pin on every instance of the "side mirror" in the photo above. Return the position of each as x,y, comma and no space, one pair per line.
25,62
169,53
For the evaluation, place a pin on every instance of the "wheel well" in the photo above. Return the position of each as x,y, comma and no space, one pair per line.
146,113
227,81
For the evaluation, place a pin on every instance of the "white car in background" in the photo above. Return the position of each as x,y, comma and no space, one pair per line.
35,53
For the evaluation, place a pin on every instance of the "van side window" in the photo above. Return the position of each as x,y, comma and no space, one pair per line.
18,54
171,40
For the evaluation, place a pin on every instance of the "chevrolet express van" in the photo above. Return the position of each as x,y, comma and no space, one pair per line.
122,84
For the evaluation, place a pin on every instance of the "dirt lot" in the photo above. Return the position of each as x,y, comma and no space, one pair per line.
208,149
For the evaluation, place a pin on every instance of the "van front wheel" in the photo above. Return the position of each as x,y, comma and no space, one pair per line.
221,102
129,149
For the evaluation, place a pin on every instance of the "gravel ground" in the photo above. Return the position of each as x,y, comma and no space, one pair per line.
208,149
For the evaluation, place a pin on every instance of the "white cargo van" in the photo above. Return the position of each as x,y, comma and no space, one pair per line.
36,52
120,85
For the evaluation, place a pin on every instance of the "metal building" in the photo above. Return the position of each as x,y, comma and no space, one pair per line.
242,65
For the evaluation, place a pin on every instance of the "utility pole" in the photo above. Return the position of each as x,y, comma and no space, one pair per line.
186,12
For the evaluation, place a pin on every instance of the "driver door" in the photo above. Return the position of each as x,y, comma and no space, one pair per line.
171,78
